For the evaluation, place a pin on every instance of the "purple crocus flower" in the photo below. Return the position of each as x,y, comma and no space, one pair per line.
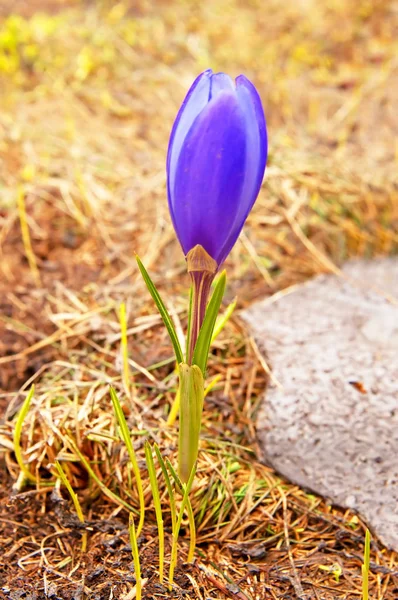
215,163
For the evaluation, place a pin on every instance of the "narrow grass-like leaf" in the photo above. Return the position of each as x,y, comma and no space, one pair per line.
156,502
170,491
211,385
223,319
162,310
126,437
75,500
124,348
191,406
366,567
97,480
186,489
17,436
136,558
191,518
72,493
175,407
178,483
192,532
202,347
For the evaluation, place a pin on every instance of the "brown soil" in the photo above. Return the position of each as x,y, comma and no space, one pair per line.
38,532
50,532
67,257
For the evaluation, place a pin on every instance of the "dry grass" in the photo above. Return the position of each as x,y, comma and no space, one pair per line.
88,99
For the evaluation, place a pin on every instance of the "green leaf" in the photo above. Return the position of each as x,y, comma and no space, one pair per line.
178,483
156,502
366,567
191,406
191,518
202,347
126,437
162,310
124,348
75,500
136,557
27,475
72,493
173,510
185,490
223,319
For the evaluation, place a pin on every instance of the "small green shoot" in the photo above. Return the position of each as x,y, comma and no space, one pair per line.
192,526
335,569
126,437
211,385
158,509
185,490
366,567
162,310
223,319
27,475
170,491
124,348
175,407
136,557
191,518
75,500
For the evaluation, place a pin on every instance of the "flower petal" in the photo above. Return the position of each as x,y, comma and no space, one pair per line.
195,101
205,193
220,82
256,155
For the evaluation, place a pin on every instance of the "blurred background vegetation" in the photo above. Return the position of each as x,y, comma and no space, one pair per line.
89,91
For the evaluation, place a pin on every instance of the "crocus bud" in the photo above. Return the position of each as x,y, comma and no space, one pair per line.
215,163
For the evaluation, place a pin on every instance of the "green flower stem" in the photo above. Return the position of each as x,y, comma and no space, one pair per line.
205,336
202,269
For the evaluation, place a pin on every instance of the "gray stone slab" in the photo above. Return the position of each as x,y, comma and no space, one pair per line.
330,424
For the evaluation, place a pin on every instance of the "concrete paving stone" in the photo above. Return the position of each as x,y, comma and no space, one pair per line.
330,424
